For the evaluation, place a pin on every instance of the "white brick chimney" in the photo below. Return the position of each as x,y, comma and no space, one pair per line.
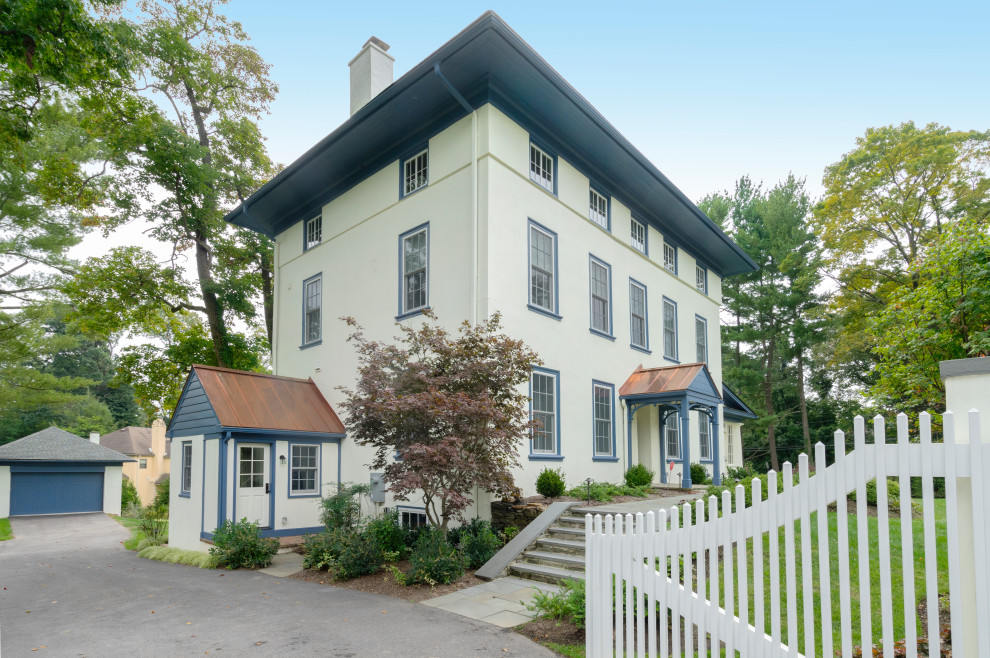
371,72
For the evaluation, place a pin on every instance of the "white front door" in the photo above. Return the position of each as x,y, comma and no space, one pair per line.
253,483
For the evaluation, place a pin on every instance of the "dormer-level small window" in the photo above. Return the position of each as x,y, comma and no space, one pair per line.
541,167
670,257
701,278
598,210
314,231
416,172
638,236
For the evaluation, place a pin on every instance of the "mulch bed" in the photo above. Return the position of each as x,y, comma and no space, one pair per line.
383,583
550,630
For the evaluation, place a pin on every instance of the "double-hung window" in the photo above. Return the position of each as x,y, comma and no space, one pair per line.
670,257
701,339
601,297
603,419
186,484
544,405
729,448
312,309
669,329
637,236
305,469
638,336
142,463
541,167
704,437
314,231
673,437
598,208
542,268
414,247
416,172
701,279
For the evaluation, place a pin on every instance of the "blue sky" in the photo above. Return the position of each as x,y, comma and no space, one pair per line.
708,91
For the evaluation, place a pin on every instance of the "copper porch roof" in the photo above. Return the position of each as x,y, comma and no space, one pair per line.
668,379
258,401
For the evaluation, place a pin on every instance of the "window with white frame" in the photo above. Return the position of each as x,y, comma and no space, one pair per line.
415,172
598,210
704,437
314,231
541,167
415,274
670,257
410,517
186,484
673,437
601,297
701,338
304,469
542,268
637,315
669,329
603,420
312,309
638,235
544,395
142,463
701,278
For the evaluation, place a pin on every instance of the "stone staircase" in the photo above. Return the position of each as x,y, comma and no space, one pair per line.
556,554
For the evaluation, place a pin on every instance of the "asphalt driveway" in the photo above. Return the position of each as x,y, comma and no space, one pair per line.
68,587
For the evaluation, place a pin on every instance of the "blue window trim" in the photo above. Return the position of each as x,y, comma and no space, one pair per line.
305,231
319,470
555,313
185,493
608,207
705,321
699,265
677,249
402,313
646,235
664,301
540,144
595,383
546,456
406,155
592,259
646,316
305,283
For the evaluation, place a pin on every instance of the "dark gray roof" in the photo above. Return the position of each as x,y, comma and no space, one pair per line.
129,440
53,444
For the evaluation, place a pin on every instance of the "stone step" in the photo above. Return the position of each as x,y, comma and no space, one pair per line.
571,520
561,545
543,573
566,531
554,558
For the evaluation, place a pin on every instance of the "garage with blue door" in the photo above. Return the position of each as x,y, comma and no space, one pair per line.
57,472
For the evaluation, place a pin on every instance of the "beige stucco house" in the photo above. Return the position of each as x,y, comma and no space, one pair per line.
151,452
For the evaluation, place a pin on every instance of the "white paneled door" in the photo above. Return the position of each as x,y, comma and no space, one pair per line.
253,483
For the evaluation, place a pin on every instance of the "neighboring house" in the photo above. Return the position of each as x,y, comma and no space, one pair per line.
56,472
253,446
150,450
481,181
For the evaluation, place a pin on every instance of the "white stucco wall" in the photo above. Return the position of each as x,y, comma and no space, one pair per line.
185,512
360,278
4,492
112,476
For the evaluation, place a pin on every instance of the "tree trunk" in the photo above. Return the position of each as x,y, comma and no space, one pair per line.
768,401
214,314
268,294
805,429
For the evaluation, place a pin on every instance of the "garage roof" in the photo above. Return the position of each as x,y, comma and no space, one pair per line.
57,445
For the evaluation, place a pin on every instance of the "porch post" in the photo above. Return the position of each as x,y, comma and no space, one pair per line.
629,420
716,441
685,444
662,422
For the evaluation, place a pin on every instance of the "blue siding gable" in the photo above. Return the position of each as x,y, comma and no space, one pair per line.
194,415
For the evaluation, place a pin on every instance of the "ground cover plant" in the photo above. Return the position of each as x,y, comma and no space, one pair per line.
179,556
239,545
605,492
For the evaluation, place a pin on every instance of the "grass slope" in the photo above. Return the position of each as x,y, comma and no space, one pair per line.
5,531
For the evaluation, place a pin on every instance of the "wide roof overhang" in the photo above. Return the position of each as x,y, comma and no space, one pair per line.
487,63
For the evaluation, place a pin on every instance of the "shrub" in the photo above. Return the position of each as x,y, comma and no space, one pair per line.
568,602
321,550
639,476
161,495
360,554
479,543
342,509
740,473
240,544
604,492
434,560
131,511
938,487
893,494
550,483
154,524
699,474
128,494
387,532
508,533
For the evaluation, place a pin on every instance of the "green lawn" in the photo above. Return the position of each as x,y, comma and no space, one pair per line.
134,525
5,531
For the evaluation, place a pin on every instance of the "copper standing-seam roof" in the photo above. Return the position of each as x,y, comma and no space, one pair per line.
259,401
668,379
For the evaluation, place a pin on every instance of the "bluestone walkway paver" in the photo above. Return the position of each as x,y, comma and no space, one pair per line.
501,602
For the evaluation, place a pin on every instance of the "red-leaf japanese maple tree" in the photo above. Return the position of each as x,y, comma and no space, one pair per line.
451,407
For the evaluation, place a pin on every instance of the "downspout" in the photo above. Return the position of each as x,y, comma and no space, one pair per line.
474,187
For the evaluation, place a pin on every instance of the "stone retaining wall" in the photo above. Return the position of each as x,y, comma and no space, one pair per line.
520,515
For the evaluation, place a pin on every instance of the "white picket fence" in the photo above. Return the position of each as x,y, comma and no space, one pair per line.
663,570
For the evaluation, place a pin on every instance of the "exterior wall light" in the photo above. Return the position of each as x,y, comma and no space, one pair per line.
281,459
